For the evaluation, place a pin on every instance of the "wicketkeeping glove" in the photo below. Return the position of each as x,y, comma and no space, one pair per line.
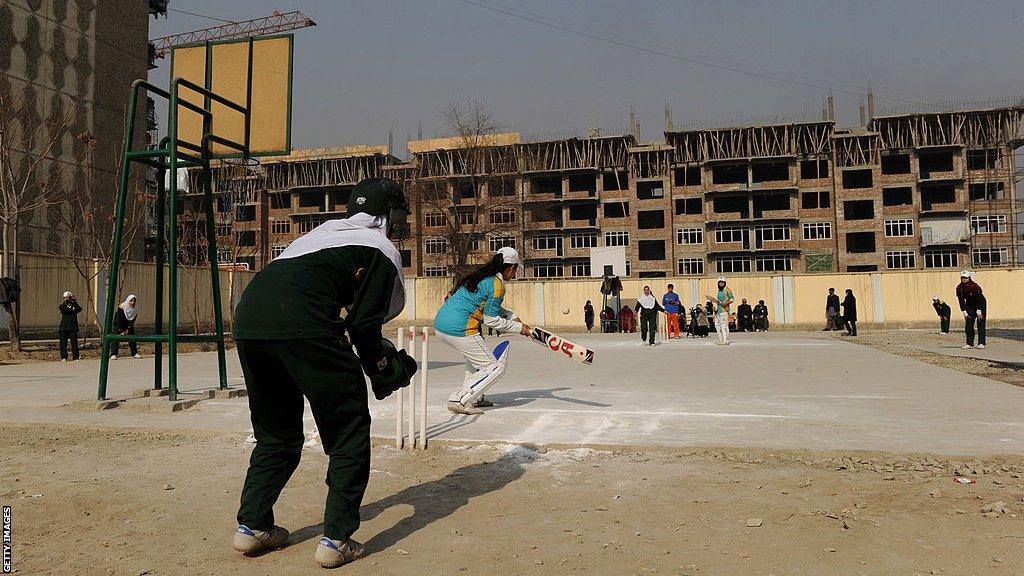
393,370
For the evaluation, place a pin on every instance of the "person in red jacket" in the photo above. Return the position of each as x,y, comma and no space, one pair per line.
974,307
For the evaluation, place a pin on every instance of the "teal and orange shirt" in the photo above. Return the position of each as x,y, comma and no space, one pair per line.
463,312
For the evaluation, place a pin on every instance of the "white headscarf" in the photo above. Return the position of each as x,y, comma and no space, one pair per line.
648,301
130,312
360,229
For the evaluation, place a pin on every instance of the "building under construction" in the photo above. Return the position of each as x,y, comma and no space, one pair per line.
930,190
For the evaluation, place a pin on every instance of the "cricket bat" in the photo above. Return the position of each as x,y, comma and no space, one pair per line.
556,343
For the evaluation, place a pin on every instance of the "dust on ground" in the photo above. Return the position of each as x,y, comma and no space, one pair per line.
49,351
109,501
910,344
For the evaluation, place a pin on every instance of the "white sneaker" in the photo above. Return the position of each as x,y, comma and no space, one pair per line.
981,346
334,553
137,356
966,346
63,359
459,408
113,356
250,542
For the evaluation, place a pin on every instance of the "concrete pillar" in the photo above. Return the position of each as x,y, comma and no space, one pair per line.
878,297
410,298
788,293
538,291
779,299
694,293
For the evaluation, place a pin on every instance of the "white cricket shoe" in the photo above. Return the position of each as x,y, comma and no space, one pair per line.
460,408
113,356
334,553
249,542
966,346
981,346
137,356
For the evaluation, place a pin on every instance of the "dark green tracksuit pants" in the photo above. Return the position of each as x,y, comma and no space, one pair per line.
648,325
278,373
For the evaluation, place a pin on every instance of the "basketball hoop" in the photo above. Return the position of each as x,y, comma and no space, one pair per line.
238,181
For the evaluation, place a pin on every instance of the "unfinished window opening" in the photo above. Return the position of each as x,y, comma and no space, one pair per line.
650,219
311,200
769,171
939,161
650,190
686,176
546,185
731,206
245,213
280,201
729,174
338,197
463,190
859,209
896,164
987,191
616,180
982,159
933,195
246,238
583,212
810,169
651,250
900,196
651,274
689,206
406,258
862,268
857,179
768,202
860,242
815,199
616,209
583,183
501,187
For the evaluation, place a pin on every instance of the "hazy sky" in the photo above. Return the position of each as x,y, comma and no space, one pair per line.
371,65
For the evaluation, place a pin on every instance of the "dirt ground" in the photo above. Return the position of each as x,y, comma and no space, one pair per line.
133,502
47,351
908,343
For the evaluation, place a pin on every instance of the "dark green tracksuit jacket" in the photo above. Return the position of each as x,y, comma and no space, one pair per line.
292,343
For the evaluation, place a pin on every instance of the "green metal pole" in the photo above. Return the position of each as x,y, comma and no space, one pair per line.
161,224
172,247
122,195
211,255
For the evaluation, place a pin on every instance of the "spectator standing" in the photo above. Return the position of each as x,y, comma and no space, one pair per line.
974,306
722,301
627,320
68,329
672,306
850,313
124,322
588,315
943,310
647,307
832,316
745,317
760,316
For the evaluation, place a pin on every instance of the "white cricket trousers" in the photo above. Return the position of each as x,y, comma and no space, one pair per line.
478,358
722,327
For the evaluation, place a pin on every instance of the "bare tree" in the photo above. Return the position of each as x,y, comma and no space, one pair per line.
86,215
27,169
466,195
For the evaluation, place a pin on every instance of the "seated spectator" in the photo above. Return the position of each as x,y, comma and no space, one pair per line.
760,317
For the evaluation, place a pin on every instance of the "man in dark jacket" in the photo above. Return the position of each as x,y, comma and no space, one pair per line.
745,317
943,310
832,316
760,316
974,306
850,313
293,342
68,329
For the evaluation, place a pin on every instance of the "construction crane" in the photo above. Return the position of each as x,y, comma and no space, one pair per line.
277,22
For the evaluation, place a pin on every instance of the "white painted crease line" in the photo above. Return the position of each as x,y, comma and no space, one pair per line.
651,413
601,428
847,397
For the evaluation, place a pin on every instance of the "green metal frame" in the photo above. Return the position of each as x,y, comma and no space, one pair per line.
172,153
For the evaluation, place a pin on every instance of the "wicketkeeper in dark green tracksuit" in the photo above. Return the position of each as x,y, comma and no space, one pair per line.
292,342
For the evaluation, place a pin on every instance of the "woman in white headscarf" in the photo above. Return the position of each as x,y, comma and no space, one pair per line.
648,307
124,323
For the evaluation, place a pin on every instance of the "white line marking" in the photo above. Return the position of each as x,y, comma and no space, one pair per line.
850,397
648,413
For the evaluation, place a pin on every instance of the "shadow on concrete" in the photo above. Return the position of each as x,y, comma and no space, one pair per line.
443,364
523,397
1008,333
434,500
454,422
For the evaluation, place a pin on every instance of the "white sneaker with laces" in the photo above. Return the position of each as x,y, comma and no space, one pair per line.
137,356
966,346
981,346
334,553
249,542
113,356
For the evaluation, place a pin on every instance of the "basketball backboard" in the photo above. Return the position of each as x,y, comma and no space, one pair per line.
223,67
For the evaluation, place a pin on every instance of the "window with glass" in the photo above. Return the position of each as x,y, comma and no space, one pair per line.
547,270
547,242
899,227
583,240
616,238
772,232
435,271
281,226
580,269
942,258
817,230
433,219
726,234
990,256
690,267
988,223
503,216
690,236
495,243
732,265
435,246
773,263
900,259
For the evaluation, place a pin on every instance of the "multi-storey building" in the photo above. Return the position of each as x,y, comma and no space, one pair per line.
905,192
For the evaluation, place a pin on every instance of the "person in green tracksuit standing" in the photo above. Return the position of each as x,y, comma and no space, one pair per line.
293,342
648,307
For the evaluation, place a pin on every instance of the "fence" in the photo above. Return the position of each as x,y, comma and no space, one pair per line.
44,278
890,298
